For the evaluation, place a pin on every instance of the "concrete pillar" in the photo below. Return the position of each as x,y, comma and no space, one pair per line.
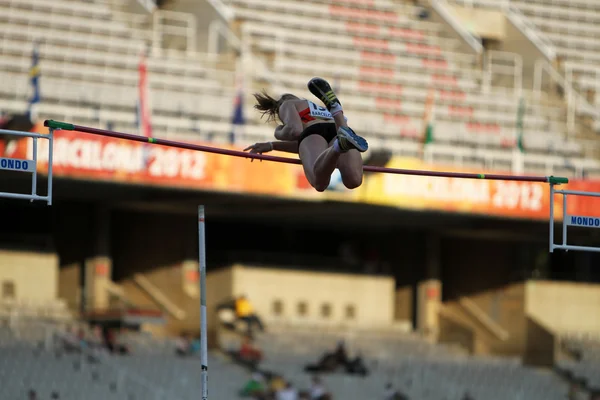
98,265
189,268
429,291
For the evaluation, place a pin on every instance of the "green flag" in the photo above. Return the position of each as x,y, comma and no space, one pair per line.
428,119
520,116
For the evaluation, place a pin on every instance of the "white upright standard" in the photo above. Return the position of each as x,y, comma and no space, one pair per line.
203,330
571,220
29,165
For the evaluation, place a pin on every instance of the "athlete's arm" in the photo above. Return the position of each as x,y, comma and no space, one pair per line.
280,145
292,124
288,146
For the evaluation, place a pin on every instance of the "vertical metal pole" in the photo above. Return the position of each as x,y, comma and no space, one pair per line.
564,221
34,175
551,218
203,333
50,151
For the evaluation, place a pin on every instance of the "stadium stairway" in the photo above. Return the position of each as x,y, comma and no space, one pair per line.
566,27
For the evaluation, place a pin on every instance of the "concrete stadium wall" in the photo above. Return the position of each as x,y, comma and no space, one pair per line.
372,297
542,345
69,287
489,24
505,306
564,307
534,314
205,12
34,275
516,42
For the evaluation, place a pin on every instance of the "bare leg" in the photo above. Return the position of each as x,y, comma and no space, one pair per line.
319,161
340,121
350,165
347,138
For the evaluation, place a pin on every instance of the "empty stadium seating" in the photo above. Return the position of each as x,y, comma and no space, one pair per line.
384,56
26,364
569,27
384,60
586,365
90,76
417,368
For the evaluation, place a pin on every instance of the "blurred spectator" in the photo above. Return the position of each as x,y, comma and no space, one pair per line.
467,396
357,366
318,390
195,345
245,312
287,393
70,340
183,346
254,388
187,346
55,396
81,337
277,384
226,313
249,353
33,395
392,394
110,342
329,362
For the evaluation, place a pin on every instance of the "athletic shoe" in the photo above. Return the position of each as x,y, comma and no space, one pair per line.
348,140
322,90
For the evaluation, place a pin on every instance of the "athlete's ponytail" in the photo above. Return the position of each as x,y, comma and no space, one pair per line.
269,106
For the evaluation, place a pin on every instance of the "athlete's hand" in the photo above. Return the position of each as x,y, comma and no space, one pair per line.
259,148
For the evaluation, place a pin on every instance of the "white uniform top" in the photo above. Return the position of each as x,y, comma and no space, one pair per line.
319,112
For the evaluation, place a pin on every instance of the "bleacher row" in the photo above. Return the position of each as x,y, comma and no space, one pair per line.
418,369
586,363
571,26
385,60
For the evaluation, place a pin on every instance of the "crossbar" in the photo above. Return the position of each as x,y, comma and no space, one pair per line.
236,153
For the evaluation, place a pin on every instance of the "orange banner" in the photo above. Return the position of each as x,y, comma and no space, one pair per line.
85,156
529,200
91,157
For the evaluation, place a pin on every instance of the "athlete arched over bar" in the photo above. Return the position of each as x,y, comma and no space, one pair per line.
319,135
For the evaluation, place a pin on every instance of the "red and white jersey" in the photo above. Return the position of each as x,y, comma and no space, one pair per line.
314,112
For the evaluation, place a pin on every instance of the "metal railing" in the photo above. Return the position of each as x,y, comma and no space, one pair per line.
571,220
530,31
576,103
500,63
441,7
28,165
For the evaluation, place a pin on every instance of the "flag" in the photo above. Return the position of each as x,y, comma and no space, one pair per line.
428,119
519,148
520,117
238,121
143,107
34,79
